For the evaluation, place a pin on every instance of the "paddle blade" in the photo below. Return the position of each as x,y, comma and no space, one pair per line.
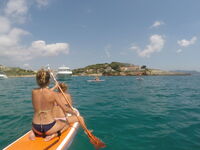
95,141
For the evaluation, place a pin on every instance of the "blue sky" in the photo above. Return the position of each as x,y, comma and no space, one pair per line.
76,33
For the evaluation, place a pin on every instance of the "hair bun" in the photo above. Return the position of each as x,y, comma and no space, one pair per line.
43,77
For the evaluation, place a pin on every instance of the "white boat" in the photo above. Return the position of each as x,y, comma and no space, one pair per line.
139,78
95,80
3,75
63,72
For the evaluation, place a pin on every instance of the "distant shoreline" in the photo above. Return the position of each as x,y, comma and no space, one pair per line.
104,69
123,69
93,75
21,76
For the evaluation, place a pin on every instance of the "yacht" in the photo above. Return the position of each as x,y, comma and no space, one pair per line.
3,75
63,72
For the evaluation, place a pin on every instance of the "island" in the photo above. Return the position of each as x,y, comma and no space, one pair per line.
122,69
16,71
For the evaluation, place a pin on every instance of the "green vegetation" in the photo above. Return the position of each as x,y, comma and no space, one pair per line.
15,71
114,68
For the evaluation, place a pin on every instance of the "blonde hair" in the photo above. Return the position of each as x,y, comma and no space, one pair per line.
43,77
63,86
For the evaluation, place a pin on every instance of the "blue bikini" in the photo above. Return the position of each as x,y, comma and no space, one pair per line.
41,129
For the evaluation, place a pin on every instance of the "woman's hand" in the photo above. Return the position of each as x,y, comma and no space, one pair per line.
55,86
75,111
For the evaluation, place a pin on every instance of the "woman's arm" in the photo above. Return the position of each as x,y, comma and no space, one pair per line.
55,87
60,103
65,108
69,98
71,111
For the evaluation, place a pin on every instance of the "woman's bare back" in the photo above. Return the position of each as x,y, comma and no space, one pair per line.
43,102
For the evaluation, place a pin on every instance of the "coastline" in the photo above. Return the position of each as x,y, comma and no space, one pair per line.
100,74
92,75
105,69
20,76
123,69
150,72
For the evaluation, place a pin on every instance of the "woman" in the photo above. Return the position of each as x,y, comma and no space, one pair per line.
74,117
43,100
71,115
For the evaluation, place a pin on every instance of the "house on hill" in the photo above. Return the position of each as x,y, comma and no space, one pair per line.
130,68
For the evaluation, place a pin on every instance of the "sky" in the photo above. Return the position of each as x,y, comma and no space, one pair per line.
76,33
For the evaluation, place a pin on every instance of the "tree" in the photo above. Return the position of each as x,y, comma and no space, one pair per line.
145,70
143,67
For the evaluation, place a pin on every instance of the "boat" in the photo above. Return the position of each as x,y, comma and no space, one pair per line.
139,78
95,80
63,72
58,143
3,75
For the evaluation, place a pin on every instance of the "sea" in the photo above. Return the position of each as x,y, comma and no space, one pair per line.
156,113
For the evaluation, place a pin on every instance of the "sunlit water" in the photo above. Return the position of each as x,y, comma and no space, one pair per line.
158,113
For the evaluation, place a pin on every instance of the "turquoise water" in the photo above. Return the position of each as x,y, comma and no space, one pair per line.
158,113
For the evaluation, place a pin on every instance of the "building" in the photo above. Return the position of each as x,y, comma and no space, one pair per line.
130,68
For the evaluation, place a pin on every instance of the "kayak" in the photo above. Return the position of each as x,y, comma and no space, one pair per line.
95,80
57,143
139,78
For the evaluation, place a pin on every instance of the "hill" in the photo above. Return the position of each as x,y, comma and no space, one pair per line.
16,71
120,69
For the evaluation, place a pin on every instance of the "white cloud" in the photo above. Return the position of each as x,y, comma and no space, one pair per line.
42,2
40,48
157,24
14,53
186,43
4,24
179,51
15,13
36,49
156,44
107,50
12,37
16,10
134,47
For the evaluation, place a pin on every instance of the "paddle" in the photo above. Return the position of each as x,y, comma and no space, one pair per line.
93,139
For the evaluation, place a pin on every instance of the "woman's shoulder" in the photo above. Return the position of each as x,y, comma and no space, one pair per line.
35,90
67,94
40,90
62,93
